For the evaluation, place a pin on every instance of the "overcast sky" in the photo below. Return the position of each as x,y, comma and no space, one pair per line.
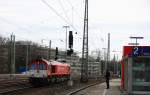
34,20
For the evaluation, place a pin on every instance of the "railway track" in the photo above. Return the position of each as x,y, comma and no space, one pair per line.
22,87
13,83
84,87
10,90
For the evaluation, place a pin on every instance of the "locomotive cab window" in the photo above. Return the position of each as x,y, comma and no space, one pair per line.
53,69
42,66
33,66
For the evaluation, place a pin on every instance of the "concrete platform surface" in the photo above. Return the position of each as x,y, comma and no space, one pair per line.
101,89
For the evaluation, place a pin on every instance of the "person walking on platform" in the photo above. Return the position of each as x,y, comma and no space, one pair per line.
107,77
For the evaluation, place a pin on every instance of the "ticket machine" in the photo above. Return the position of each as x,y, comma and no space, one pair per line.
136,70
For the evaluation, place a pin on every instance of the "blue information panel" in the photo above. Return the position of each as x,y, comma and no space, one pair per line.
141,51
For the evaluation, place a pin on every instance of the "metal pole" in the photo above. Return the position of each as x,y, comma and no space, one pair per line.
66,41
108,52
84,67
105,62
50,49
114,64
66,38
27,54
99,56
11,60
117,64
14,69
136,44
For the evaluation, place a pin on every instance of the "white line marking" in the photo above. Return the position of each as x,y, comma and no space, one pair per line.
105,90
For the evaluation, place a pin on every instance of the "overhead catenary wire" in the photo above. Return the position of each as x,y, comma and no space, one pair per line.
73,8
19,27
11,23
50,7
95,44
65,12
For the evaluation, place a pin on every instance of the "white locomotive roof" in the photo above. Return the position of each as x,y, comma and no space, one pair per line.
53,62
58,63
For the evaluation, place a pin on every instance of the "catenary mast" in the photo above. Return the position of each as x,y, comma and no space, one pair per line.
84,67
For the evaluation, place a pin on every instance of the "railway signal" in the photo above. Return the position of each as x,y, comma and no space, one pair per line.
56,53
70,39
69,52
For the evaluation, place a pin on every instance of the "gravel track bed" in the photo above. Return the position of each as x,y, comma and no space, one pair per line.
55,89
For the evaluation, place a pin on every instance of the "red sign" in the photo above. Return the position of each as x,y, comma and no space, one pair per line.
128,50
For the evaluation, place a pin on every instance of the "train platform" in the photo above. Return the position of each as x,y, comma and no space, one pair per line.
101,89
113,90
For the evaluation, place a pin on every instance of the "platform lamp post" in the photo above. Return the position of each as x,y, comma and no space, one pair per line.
136,38
49,48
116,60
66,27
105,63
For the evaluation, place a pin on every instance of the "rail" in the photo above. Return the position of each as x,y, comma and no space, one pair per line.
10,83
82,88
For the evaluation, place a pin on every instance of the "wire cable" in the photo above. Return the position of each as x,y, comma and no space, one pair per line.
50,7
73,8
19,27
63,9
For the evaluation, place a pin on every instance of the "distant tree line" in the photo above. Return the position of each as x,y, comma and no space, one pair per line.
24,51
